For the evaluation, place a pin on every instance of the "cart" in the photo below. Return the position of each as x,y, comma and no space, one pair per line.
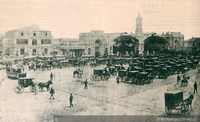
98,75
132,77
173,102
122,75
24,83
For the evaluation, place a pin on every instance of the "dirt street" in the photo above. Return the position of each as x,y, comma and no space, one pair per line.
101,97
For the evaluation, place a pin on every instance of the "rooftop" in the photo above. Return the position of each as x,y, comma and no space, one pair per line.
28,28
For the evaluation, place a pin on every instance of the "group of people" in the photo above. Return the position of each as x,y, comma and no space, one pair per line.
52,91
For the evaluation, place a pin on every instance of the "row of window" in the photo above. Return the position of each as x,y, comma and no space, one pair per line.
34,34
96,50
22,51
34,41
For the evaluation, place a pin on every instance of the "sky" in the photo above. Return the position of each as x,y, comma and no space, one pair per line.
68,18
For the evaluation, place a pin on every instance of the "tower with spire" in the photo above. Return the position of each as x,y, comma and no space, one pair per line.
138,31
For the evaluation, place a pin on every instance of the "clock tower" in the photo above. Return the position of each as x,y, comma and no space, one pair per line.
138,30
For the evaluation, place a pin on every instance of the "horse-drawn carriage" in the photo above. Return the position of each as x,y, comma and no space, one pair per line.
122,75
24,83
143,78
15,72
112,71
132,77
99,74
163,73
174,102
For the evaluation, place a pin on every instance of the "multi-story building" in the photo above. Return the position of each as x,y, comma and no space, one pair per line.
175,40
98,43
140,35
27,41
1,44
68,46
192,45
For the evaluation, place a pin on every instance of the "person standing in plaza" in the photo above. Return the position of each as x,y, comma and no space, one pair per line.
86,87
178,79
51,76
71,100
117,79
54,74
52,92
184,76
195,87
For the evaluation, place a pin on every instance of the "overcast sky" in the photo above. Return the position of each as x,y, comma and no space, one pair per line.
68,18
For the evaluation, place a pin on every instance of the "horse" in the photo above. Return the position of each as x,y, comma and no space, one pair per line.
78,72
184,81
41,85
188,103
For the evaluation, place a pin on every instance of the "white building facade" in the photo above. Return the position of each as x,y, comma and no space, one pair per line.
27,41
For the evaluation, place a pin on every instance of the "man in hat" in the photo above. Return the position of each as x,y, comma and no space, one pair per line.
86,87
70,100
52,92
178,79
51,76
195,87
117,79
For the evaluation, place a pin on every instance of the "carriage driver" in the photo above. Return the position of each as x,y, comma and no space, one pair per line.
79,69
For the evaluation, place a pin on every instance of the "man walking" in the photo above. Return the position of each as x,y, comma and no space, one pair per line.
52,92
51,76
86,87
70,100
178,79
195,87
117,79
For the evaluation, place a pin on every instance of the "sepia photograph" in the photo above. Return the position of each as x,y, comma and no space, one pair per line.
99,60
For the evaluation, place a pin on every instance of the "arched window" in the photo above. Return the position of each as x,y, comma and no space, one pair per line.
89,51
98,41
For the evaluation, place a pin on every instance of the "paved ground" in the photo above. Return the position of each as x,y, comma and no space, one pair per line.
101,98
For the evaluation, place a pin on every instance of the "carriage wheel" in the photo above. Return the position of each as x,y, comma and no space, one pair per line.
92,77
33,89
106,78
151,80
18,89
168,110
142,82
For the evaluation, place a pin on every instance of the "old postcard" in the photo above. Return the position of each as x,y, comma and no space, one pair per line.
99,60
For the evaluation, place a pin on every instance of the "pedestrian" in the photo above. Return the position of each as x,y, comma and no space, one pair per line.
51,76
195,87
178,79
54,74
117,79
23,69
52,92
71,100
86,87
184,76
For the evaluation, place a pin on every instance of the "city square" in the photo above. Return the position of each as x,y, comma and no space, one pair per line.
65,59
101,97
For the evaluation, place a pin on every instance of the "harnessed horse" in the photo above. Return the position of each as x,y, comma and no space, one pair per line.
41,85
184,81
78,72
